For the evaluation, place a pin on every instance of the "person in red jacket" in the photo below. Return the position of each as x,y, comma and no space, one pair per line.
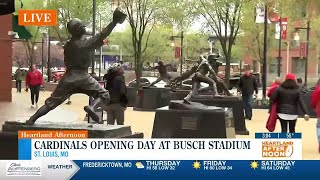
315,103
271,90
34,80
274,86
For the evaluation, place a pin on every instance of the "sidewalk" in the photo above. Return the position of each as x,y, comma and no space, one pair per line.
20,109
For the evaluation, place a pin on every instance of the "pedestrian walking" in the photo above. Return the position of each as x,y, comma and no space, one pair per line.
302,86
247,86
315,103
34,80
289,98
118,95
18,77
271,90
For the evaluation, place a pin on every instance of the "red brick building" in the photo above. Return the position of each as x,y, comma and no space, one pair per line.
292,60
5,58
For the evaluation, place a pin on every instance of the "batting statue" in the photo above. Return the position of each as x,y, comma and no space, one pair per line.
221,85
77,58
201,76
164,75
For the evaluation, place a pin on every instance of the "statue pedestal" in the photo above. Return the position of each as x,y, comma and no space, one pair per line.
149,99
212,122
9,133
9,146
233,102
131,95
94,130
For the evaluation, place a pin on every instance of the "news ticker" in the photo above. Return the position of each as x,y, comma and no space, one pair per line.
156,169
39,145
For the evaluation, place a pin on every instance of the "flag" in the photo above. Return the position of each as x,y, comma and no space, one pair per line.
177,52
284,25
260,13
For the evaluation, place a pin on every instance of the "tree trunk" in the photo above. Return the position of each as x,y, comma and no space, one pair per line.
227,69
138,68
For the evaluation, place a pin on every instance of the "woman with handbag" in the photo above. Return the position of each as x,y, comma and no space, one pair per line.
288,98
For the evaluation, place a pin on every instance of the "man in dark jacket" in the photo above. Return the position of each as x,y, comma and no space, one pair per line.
248,85
18,76
118,95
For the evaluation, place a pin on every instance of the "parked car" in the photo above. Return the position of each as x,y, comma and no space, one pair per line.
57,75
145,81
187,84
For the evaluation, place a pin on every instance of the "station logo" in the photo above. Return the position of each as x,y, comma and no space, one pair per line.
277,149
37,17
23,168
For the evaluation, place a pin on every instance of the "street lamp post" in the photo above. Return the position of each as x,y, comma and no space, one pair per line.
307,51
49,57
42,54
280,38
181,58
100,61
94,7
264,75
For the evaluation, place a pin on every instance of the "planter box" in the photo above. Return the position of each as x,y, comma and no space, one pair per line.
150,99
50,86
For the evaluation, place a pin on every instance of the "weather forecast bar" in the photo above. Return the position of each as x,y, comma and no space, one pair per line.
278,135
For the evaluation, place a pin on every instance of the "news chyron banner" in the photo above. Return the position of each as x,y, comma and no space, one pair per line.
71,154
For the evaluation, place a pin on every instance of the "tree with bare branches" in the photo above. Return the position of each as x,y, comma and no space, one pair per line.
141,17
223,18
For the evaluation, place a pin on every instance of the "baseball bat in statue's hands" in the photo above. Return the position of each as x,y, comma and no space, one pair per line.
202,57
119,17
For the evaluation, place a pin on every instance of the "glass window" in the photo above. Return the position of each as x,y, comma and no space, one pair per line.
273,66
298,66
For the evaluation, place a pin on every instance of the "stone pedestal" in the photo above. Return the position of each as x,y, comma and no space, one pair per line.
149,99
233,102
9,146
9,133
131,95
211,122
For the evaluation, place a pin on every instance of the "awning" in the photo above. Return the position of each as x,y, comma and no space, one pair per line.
21,30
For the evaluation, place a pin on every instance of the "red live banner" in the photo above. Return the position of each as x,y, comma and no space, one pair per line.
177,52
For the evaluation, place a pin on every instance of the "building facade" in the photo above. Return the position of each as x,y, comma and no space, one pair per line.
5,58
